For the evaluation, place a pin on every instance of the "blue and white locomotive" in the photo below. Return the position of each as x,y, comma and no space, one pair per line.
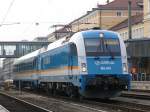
91,64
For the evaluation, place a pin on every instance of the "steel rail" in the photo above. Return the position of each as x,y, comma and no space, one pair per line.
38,108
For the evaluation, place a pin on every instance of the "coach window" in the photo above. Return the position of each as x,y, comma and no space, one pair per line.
19,67
34,63
15,68
46,60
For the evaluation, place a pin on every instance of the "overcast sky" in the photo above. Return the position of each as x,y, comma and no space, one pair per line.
44,12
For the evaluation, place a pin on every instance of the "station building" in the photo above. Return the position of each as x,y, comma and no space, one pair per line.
137,27
137,57
108,15
138,47
103,16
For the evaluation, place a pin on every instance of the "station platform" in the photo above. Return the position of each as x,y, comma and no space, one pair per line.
2,109
140,85
144,93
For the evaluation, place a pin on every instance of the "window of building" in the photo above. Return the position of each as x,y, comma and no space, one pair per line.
126,35
124,38
142,31
148,6
120,34
137,32
133,33
119,13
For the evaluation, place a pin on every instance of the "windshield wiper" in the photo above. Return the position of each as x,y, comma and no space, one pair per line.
109,50
99,48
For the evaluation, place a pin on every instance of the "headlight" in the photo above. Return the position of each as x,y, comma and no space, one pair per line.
84,68
125,68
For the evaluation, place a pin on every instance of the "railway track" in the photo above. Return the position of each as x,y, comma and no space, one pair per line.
115,105
55,104
121,106
94,105
13,104
111,104
136,96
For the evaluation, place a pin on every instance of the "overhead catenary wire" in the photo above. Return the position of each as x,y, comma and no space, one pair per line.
7,12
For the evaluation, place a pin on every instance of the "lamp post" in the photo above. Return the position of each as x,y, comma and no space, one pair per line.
129,20
100,19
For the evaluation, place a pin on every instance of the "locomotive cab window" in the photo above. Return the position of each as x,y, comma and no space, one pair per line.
105,47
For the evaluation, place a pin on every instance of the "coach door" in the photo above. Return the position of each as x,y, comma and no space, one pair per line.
73,60
70,63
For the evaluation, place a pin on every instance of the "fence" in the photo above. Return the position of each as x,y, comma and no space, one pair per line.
141,77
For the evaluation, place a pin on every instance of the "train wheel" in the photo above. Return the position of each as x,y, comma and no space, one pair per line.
54,91
72,92
80,96
69,91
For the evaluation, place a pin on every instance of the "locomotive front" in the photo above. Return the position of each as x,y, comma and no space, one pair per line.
105,66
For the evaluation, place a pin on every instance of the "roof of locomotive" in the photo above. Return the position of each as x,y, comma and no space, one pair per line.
96,34
87,34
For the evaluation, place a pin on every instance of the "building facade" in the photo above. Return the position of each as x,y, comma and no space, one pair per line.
106,16
137,27
138,47
146,18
